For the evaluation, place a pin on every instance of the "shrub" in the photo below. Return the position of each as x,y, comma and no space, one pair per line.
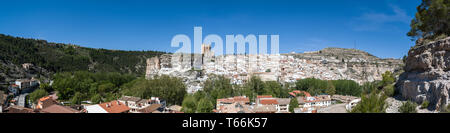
424,104
293,104
389,90
39,93
372,103
408,107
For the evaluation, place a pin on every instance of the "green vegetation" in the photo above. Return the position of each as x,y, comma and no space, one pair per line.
293,104
386,85
171,89
371,103
85,85
98,87
389,90
432,20
205,106
424,104
77,98
218,87
46,87
316,86
255,86
274,89
388,78
408,107
189,104
97,98
347,87
39,93
57,57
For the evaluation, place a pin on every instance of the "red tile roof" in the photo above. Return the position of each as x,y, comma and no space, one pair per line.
114,107
45,102
268,101
59,109
296,92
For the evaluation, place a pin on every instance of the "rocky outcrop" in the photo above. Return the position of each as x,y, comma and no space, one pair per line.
427,75
351,64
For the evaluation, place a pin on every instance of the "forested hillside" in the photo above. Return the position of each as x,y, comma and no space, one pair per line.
48,57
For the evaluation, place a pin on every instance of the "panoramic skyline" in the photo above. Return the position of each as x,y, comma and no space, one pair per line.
376,26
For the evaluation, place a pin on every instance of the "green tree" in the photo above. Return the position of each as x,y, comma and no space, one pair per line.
172,89
371,103
218,87
96,99
330,90
189,104
275,89
432,19
46,87
408,107
39,93
347,87
205,106
388,78
293,104
256,84
77,98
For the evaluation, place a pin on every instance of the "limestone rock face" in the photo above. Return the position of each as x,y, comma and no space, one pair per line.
342,63
427,75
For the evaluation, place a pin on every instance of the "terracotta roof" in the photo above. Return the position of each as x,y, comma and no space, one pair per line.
150,109
114,107
45,102
268,101
292,94
59,109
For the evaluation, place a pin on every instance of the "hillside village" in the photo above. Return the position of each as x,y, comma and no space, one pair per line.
326,64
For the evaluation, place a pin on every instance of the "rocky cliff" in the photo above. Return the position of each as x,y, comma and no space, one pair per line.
350,64
427,75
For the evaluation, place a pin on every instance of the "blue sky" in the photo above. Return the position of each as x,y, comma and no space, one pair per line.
376,26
